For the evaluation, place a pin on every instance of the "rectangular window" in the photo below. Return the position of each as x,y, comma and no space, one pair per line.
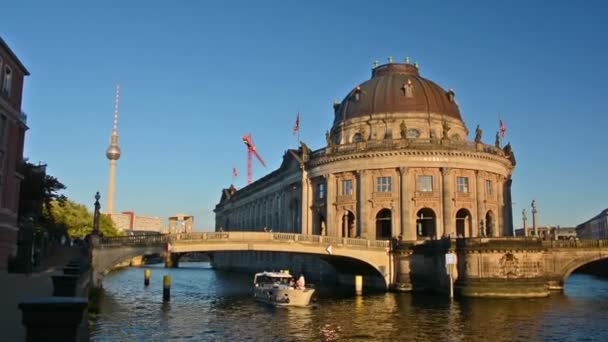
462,184
424,183
347,187
321,190
384,184
489,189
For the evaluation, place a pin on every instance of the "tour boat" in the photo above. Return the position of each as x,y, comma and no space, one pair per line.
281,289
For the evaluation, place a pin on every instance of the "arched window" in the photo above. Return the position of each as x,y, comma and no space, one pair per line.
425,223
384,224
464,227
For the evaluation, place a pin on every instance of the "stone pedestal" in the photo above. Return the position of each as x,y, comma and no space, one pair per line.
52,318
65,285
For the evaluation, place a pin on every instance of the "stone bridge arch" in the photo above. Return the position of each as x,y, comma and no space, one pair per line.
110,252
564,257
568,267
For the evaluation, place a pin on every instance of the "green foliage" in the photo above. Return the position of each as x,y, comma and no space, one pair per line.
37,191
76,220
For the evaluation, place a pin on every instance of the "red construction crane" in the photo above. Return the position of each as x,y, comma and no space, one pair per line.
251,151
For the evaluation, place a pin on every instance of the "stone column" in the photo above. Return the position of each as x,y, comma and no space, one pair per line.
508,209
331,222
448,203
534,218
525,219
363,197
480,203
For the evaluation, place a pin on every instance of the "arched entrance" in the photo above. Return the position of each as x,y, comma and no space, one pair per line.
384,224
425,223
348,225
464,226
489,224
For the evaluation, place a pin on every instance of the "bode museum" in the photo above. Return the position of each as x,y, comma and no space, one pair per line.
398,163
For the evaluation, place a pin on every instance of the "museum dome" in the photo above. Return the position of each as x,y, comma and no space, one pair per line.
396,88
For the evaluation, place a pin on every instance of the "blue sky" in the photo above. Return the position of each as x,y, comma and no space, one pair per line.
197,75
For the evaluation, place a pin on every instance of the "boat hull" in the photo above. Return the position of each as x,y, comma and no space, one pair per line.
284,296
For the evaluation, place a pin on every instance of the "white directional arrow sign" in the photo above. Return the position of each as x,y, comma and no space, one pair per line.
329,249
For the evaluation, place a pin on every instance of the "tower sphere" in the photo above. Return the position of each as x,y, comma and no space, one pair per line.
113,152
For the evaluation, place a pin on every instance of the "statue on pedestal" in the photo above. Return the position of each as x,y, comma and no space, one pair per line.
478,133
328,139
403,130
497,141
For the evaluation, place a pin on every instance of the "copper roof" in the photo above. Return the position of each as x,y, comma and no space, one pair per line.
396,88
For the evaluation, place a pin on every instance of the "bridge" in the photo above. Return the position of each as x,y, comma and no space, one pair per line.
109,252
486,267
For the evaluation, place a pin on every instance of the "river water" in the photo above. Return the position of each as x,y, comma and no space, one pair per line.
210,305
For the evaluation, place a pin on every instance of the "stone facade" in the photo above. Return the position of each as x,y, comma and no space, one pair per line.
397,164
12,135
594,228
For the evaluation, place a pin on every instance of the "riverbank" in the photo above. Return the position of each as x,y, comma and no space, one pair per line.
18,287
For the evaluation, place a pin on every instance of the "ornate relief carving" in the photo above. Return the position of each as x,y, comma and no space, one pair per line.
509,266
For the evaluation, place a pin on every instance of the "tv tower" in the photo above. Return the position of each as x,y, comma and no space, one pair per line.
113,154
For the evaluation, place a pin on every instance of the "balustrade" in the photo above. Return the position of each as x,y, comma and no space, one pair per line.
146,240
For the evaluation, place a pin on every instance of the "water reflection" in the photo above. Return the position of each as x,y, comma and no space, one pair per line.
210,305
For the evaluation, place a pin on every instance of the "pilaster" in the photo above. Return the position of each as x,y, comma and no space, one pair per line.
448,203
408,224
363,198
307,196
500,219
331,221
508,209
480,216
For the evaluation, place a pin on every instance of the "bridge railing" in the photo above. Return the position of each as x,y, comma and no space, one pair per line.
575,243
241,236
120,241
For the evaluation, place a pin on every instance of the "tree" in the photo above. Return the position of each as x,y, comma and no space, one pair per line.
38,190
76,220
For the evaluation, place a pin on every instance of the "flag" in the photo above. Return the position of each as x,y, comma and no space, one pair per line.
234,173
503,129
296,128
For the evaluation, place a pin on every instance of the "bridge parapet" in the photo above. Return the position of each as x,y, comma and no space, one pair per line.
241,237
122,241
575,243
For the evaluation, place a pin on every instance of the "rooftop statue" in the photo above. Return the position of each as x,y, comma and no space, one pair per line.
478,133
497,141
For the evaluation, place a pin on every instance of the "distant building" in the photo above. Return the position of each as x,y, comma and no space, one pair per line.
181,223
550,232
594,228
128,221
12,135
